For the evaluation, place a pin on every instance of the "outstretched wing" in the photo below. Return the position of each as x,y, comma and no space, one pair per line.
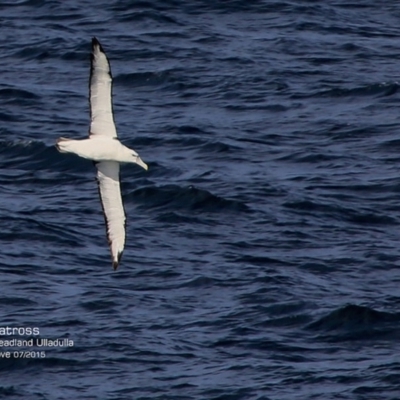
111,200
100,94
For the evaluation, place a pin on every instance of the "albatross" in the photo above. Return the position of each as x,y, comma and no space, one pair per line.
104,149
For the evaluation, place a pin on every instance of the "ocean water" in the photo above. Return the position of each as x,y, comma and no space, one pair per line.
262,259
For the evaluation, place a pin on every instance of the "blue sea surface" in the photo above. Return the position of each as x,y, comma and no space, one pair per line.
262,259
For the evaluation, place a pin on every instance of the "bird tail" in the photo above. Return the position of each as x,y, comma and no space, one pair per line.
61,144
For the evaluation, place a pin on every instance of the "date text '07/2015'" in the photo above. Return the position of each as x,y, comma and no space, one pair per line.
22,354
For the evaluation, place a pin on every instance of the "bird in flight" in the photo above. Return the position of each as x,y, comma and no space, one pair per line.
104,148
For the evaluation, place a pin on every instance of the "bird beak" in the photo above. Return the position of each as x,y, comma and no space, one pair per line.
141,163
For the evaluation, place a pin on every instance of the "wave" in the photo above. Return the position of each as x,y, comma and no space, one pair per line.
21,227
354,322
336,211
17,96
371,90
147,78
32,155
177,198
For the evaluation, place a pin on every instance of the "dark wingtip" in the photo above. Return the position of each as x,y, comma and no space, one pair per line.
96,43
116,263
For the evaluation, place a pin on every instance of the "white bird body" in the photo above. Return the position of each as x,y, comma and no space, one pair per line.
104,149
100,149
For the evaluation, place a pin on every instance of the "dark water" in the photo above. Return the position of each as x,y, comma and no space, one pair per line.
262,259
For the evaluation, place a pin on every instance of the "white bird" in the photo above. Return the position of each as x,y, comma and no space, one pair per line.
104,149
